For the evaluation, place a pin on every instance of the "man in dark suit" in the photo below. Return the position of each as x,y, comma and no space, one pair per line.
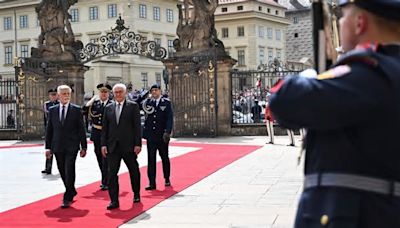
47,105
121,139
65,131
157,131
94,109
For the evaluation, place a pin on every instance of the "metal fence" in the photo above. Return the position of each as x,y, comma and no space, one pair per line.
250,90
8,104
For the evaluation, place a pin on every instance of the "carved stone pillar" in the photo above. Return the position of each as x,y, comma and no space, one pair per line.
200,92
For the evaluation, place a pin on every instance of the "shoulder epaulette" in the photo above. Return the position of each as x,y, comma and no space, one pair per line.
359,55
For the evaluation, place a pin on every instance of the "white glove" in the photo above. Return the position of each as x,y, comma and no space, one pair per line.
90,102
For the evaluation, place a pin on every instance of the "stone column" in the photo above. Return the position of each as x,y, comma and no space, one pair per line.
224,95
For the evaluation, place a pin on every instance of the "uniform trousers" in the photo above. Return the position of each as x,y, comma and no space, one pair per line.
101,161
162,147
49,164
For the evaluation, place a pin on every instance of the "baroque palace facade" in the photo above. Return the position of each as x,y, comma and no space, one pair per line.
254,33
152,19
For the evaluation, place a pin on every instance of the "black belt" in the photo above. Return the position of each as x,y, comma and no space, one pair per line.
357,182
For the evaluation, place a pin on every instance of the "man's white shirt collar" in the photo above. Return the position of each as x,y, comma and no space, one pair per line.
65,111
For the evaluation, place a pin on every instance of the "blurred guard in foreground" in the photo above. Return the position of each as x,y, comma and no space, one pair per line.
352,163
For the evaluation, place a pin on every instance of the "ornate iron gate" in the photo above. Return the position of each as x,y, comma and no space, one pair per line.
34,80
194,96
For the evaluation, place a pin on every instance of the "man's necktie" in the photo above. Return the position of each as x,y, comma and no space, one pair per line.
63,114
118,112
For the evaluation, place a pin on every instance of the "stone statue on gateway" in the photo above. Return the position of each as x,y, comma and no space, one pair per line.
196,27
56,40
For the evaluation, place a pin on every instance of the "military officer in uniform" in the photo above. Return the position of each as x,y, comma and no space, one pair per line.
157,132
53,100
352,164
95,109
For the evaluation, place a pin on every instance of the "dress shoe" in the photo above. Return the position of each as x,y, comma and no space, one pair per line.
46,172
151,187
66,204
113,205
136,199
167,183
103,187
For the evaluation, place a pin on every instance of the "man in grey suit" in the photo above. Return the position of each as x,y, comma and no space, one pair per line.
121,140
64,132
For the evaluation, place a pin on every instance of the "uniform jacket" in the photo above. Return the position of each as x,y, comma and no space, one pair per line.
95,114
69,135
159,119
352,113
127,133
47,105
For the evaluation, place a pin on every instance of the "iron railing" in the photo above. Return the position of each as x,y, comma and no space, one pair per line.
8,104
251,89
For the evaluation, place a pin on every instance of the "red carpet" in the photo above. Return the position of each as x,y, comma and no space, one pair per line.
89,208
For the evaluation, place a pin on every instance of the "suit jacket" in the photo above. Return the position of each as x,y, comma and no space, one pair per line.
127,133
69,135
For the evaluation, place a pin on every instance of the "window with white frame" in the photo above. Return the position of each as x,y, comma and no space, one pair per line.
171,49
158,78
157,40
261,55
170,15
241,58
144,37
278,54
145,80
93,39
112,10
270,54
261,32
156,13
142,11
8,55
225,32
24,51
278,34
295,20
240,31
93,13
74,15
269,33
23,21
7,23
